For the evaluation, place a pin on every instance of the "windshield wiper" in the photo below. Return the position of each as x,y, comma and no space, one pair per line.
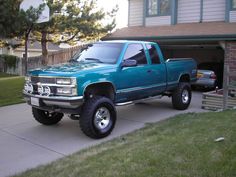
94,59
73,60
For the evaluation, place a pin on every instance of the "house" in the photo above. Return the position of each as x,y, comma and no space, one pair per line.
34,48
200,29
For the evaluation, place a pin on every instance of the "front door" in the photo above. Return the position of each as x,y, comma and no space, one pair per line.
132,82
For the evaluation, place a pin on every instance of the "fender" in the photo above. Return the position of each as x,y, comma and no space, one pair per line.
94,83
182,74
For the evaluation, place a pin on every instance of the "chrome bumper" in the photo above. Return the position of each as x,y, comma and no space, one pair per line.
54,101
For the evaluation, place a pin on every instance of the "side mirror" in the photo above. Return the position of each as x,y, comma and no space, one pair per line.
129,63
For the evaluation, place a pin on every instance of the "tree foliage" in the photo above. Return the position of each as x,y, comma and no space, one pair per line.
15,22
75,20
70,21
10,18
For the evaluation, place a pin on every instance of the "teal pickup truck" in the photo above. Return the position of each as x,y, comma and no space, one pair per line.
104,75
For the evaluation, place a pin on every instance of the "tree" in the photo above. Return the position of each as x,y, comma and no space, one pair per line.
71,21
10,23
17,23
13,22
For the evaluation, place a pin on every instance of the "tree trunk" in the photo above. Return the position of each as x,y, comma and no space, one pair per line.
44,48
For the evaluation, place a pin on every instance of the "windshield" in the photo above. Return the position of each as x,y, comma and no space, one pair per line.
100,53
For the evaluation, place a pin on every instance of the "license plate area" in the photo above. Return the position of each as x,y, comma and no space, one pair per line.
199,75
34,101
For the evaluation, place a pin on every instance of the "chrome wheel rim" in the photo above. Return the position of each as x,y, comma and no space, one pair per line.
185,96
102,118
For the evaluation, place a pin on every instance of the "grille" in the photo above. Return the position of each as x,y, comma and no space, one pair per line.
45,80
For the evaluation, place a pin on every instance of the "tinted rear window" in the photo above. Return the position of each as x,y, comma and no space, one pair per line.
153,54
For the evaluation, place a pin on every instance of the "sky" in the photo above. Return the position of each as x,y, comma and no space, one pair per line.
122,14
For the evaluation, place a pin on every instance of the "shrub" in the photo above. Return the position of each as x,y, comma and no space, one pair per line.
9,61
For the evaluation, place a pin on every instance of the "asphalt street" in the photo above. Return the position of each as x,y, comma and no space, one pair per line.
25,144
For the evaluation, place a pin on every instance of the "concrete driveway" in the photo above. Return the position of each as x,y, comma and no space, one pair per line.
26,144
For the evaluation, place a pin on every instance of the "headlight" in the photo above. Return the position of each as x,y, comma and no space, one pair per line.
66,81
66,91
44,90
27,78
28,88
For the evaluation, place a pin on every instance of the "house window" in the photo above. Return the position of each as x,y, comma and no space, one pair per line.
233,4
158,7
152,7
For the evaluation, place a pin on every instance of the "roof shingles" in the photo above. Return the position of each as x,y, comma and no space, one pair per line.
180,30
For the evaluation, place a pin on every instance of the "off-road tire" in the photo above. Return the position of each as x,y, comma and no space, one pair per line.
88,120
45,117
179,101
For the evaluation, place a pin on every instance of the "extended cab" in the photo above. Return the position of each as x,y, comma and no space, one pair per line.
103,75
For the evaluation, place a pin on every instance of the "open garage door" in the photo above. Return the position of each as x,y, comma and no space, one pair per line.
208,56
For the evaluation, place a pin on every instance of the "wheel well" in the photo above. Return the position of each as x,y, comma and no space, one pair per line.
101,89
184,78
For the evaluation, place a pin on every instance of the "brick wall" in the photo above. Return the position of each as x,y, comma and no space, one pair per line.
230,57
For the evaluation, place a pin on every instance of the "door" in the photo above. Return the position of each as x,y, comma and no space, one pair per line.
132,82
157,71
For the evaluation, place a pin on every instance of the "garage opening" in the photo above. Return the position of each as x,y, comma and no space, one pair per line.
208,56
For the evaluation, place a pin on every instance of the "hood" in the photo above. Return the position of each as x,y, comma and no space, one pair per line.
70,69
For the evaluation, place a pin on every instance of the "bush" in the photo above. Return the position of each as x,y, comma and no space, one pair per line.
9,61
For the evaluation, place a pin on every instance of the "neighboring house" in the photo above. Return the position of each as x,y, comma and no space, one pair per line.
34,49
201,29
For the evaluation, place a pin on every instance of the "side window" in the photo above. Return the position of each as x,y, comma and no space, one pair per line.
153,54
136,52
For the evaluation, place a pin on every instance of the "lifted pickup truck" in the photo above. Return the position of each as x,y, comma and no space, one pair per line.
103,75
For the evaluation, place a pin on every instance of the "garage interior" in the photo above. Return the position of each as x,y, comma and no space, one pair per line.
207,55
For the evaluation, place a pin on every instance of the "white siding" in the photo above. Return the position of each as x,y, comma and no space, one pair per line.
136,13
213,10
232,16
158,21
189,11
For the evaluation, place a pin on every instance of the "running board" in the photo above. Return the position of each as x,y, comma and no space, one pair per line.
138,101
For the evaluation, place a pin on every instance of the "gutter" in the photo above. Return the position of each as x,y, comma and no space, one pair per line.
192,38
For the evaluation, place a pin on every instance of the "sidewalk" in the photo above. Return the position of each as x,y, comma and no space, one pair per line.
26,144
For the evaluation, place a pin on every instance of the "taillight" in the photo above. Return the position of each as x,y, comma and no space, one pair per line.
213,76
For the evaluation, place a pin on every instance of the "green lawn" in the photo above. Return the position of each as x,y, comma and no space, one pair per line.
6,75
182,146
11,90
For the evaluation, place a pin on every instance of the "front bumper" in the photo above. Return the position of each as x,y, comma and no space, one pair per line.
55,103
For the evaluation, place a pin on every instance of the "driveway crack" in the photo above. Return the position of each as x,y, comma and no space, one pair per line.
33,143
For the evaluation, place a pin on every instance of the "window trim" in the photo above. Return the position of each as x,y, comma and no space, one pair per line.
231,6
158,9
